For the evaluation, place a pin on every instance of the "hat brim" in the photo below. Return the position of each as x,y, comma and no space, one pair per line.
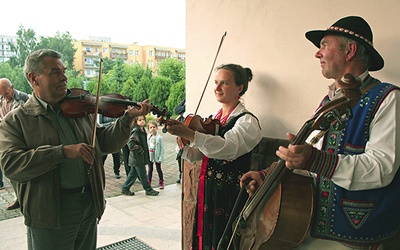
315,36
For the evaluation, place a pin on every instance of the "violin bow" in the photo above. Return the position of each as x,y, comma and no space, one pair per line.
212,68
96,109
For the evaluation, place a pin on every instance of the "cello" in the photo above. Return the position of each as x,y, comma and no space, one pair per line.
278,215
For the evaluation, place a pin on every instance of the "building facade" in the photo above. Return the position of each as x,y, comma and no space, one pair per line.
5,49
90,51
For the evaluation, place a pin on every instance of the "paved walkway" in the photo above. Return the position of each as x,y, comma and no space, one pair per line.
154,220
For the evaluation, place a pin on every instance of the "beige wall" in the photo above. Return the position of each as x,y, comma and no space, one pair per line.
268,37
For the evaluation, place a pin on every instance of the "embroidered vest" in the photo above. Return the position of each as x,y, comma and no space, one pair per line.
357,218
229,171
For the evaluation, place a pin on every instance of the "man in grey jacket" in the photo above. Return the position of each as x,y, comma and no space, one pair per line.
51,156
10,99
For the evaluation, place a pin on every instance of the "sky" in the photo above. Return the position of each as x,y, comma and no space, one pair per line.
147,22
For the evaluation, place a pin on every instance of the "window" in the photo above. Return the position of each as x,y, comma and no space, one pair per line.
88,60
130,52
136,52
88,49
181,56
105,50
89,72
150,53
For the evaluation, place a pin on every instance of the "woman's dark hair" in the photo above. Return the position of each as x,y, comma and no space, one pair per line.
240,74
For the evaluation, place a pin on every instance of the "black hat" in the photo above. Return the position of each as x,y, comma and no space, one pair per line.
355,28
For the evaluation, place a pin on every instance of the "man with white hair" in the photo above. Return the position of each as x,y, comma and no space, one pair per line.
10,99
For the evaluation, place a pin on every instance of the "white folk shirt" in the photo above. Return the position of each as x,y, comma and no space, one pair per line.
377,166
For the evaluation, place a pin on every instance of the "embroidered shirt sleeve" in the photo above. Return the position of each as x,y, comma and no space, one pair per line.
322,162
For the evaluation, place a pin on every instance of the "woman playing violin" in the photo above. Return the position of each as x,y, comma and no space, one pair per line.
225,156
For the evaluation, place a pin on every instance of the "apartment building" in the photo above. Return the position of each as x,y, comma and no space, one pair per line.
5,51
90,51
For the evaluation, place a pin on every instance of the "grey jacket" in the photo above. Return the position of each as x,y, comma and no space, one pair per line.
30,154
159,148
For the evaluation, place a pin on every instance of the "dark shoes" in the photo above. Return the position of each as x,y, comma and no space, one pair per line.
117,176
128,193
13,205
152,192
178,180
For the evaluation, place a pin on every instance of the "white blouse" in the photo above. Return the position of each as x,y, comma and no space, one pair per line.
241,139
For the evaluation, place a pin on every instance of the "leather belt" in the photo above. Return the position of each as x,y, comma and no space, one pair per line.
84,189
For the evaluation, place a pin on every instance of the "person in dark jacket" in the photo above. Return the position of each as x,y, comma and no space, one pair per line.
138,158
107,121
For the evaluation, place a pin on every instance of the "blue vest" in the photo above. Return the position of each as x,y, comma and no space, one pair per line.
357,218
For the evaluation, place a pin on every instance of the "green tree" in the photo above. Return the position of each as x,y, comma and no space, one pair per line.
128,88
142,89
160,90
115,78
139,93
108,64
25,44
91,85
75,80
172,68
61,42
138,72
16,76
177,94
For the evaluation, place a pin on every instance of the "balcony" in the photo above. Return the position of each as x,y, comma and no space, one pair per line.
115,55
92,54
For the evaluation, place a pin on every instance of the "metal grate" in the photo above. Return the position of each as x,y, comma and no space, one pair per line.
131,244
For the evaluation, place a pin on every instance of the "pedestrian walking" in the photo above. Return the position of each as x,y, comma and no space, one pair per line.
138,158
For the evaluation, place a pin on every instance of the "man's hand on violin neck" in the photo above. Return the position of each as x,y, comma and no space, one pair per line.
143,109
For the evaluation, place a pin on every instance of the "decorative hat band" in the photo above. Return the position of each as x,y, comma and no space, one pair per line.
351,33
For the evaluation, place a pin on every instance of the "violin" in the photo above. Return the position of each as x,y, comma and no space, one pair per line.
80,103
202,125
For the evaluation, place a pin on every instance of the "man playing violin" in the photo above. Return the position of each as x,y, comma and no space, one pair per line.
60,175
357,200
